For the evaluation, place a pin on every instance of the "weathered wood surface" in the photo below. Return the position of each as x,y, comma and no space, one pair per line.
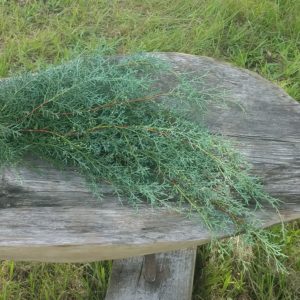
48,215
173,277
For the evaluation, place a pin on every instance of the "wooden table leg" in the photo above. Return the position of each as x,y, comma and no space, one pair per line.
164,276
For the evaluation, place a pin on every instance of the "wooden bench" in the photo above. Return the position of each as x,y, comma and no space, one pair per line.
48,215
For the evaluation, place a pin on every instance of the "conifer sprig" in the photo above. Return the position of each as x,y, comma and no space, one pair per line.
111,120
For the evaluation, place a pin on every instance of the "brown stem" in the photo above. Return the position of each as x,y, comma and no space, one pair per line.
41,131
237,219
113,103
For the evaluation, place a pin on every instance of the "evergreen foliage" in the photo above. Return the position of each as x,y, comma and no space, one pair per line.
108,119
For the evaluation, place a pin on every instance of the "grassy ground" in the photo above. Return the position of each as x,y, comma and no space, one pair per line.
261,35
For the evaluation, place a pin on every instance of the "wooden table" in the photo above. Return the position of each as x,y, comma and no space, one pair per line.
50,215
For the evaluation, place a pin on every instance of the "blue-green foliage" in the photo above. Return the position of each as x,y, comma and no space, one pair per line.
107,118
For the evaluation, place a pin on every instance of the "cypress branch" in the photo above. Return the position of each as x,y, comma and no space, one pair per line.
110,120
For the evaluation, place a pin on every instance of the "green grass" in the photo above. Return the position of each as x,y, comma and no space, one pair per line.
40,281
261,35
245,274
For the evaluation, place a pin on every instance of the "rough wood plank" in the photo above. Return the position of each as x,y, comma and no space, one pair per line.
174,277
260,118
48,215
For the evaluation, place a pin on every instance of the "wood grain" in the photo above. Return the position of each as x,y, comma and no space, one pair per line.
50,215
174,277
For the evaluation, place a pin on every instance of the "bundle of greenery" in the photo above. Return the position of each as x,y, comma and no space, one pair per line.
111,120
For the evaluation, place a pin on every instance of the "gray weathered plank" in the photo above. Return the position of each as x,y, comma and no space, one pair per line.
48,215
173,279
